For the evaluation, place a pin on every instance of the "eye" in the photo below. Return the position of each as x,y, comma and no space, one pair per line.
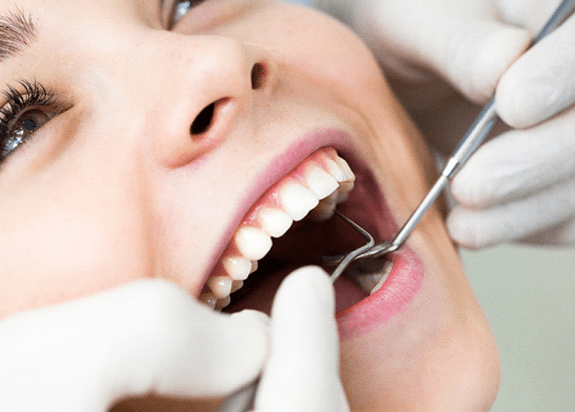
24,113
24,127
180,9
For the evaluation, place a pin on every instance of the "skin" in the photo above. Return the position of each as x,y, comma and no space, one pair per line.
115,189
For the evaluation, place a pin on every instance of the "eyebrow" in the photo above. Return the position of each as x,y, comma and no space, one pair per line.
17,31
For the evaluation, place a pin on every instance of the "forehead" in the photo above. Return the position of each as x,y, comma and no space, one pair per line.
34,32
63,14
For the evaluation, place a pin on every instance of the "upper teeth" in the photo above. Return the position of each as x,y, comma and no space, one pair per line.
317,185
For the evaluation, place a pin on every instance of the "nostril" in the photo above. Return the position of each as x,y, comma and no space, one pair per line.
203,120
258,76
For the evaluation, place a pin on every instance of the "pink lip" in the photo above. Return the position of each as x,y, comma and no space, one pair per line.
404,281
281,165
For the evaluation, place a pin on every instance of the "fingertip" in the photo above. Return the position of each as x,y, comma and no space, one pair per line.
496,53
309,285
235,348
522,101
539,84
462,228
253,316
471,187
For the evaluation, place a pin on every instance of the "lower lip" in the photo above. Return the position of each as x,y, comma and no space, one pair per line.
392,298
406,276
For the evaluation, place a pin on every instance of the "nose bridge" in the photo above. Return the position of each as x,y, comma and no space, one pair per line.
202,86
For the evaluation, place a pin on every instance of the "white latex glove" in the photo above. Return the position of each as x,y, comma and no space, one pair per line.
150,337
446,57
145,337
302,373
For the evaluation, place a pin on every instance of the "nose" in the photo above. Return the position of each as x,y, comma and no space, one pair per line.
206,86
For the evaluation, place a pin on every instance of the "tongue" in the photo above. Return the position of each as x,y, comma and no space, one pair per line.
260,296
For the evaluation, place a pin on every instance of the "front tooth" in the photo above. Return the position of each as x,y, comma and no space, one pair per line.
275,222
321,183
297,200
350,176
252,243
208,299
335,170
238,267
220,286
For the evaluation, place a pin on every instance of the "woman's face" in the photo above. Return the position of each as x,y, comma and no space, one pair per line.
154,149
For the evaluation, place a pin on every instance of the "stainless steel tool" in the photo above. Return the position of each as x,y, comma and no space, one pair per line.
476,134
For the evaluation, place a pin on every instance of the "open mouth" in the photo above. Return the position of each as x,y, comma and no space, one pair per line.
298,214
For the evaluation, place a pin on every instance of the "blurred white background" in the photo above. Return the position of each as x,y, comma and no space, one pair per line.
528,296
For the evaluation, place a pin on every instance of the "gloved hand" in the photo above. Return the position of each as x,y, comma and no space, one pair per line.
146,336
302,372
444,58
150,337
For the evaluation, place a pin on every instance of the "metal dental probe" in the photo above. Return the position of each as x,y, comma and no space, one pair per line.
467,146
243,398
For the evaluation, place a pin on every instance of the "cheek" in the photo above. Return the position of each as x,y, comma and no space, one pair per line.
55,254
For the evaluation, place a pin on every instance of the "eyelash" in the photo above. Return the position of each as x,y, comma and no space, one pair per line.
34,95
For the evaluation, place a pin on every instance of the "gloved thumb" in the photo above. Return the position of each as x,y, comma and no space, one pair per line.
302,373
145,337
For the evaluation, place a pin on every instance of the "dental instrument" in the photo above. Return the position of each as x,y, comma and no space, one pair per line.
241,400
478,131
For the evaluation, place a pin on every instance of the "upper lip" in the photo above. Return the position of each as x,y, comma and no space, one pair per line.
281,165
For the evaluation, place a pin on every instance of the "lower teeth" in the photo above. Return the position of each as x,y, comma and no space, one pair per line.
370,275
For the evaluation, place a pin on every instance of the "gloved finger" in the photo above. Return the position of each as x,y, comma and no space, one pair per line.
463,42
540,83
302,372
518,163
147,336
530,14
477,228
560,235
